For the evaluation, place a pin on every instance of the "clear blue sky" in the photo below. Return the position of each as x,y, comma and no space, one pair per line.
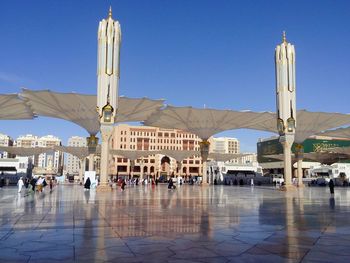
190,52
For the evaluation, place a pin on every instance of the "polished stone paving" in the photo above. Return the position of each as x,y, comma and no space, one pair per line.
189,224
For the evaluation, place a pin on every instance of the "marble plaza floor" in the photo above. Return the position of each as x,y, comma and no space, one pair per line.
189,224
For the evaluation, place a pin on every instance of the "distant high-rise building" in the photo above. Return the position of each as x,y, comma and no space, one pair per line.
5,140
73,163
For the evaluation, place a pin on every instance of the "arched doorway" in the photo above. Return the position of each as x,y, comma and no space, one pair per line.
165,166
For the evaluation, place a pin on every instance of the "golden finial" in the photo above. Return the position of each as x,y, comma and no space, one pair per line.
284,39
110,12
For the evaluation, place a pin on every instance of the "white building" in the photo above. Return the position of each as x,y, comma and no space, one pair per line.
52,160
5,140
249,158
73,163
224,145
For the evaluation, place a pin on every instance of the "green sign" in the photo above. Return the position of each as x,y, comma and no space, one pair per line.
310,145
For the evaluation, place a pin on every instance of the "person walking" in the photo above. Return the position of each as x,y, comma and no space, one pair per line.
20,184
331,186
33,183
87,183
2,182
51,184
122,186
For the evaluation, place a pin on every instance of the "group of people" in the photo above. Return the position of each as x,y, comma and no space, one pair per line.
36,183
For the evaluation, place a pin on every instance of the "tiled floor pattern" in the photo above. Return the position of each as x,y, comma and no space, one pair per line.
189,224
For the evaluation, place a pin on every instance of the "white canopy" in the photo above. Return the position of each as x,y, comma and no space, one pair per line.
180,155
13,108
322,157
223,157
309,123
340,150
80,152
81,108
325,157
23,151
340,133
206,122
132,155
131,109
77,108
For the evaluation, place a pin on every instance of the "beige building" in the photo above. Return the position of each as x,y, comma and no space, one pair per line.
73,162
5,140
127,137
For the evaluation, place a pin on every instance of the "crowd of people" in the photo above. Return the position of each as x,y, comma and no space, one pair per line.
34,184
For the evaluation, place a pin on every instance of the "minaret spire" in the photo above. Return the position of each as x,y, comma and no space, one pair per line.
110,12
284,38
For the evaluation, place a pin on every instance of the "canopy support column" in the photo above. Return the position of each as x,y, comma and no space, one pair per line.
287,142
300,154
106,133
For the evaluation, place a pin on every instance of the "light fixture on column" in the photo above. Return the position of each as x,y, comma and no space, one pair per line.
291,124
280,126
92,141
107,113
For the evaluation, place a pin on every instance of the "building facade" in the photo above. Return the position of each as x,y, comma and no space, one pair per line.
248,158
5,140
224,145
127,137
51,160
73,162
271,146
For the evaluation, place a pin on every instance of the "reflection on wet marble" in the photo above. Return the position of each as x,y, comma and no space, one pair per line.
189,224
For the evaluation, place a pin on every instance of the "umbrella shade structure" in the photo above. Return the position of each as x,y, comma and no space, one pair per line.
309,123
77,108
339,133
137,109
321,157
224,157
179,155
341,150
81,108
206,122
312,123
13,108
23,151
279,157
132,155
80,152
325,157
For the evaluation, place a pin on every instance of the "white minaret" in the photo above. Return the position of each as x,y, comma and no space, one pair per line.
109,38
108,73
285,100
